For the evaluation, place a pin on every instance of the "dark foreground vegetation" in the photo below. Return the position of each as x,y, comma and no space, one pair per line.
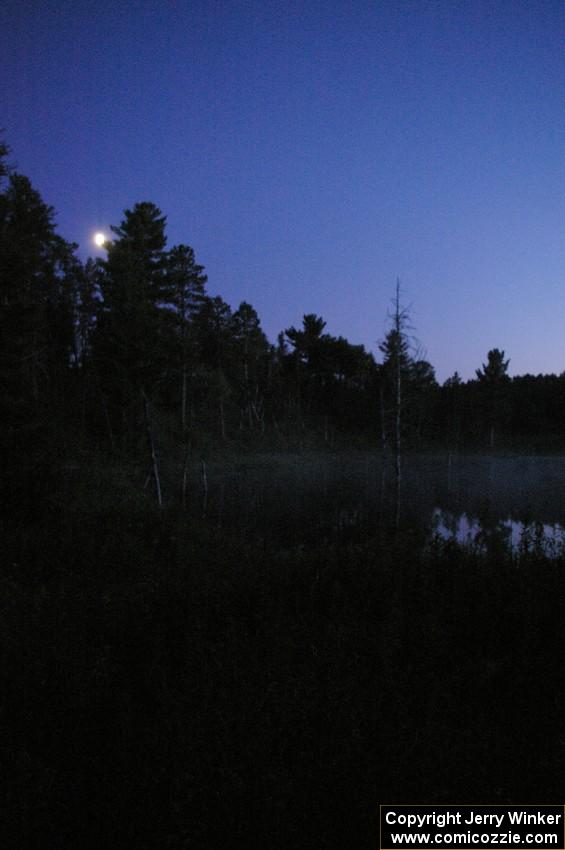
168,683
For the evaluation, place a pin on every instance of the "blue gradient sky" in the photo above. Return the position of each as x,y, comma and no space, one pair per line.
311,152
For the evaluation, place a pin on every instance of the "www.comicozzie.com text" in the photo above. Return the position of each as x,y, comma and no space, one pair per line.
441,820
510,839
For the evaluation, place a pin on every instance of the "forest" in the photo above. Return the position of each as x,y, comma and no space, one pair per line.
93,354
170,683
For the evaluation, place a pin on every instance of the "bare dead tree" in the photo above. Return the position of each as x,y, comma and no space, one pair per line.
395,348
152,450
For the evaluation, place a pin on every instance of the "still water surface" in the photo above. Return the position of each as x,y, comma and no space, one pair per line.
475,499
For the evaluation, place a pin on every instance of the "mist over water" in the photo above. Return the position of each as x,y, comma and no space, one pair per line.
302,500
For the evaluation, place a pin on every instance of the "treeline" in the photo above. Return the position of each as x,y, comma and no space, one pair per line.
122,351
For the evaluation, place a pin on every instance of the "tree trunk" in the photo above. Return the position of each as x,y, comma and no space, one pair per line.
183,401
222,420
154,460
398,382
383,422
185,474
205,489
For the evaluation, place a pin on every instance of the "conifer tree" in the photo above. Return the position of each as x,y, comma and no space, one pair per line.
250,352
186,292
213,325
493,377
130,357
36,328
36,266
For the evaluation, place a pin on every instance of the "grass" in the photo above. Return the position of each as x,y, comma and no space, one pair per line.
167,684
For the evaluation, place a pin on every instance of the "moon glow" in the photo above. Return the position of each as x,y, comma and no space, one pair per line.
99,239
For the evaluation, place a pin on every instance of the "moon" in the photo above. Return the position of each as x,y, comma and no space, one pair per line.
99,239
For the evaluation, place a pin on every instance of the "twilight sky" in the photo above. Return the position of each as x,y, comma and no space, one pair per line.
313,151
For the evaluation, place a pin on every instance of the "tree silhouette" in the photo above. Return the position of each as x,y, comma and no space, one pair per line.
128,347
494,372
213,324
251,353
186,292
36,330
396,363
493,377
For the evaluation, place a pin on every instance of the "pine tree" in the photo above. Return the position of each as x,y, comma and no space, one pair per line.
186,292
36,267
36,330
213,325
250,358
87,302
128,349
493,377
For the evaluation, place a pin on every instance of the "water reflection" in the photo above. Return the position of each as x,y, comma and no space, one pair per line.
484,501
487,534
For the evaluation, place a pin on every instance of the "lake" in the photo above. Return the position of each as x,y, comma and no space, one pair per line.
302,500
